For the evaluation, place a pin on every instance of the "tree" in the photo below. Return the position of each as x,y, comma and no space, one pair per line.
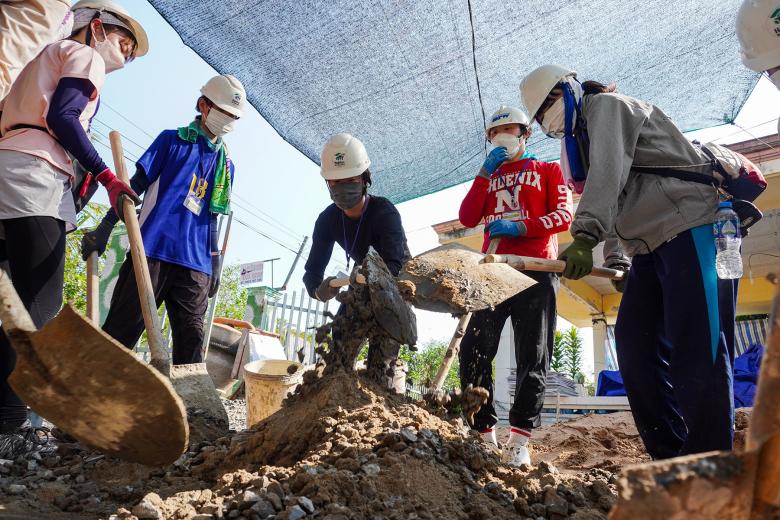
75,285
572,353
424,363
557,360
232,299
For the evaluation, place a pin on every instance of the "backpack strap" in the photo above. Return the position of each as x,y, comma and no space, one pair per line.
683,175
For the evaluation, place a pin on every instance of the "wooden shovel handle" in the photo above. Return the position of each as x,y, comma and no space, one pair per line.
343,282
451,353
13,314
526,263
460,331
160,359
93,288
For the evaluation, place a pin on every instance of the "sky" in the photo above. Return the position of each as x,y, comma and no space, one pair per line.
278,192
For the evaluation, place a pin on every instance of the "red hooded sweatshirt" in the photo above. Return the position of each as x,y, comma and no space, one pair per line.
526,190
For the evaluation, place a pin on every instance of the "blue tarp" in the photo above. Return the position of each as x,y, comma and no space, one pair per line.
746,369
404,78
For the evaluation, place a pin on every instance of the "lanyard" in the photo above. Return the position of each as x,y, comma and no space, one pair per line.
347,249
204,172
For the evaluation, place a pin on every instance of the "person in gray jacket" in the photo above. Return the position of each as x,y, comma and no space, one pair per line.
675,326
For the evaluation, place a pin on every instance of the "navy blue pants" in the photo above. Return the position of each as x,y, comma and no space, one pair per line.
675,347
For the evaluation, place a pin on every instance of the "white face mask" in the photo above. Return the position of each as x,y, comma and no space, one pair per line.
553,119
775,78
514,145
218,123
111,53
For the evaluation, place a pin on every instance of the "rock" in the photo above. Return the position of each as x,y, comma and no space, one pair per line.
248,498
150,506
306,504
409,435
275,499
295,513
32,465
6,463
80,479
275,488
556,504
263,508
17,489
371,469
210,509
234,514
202,516
539,510
522,507
547,467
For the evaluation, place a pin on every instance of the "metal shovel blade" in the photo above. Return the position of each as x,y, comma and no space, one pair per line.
92,387
452,279
391,311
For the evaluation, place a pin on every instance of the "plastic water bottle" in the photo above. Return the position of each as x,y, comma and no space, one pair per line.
728,261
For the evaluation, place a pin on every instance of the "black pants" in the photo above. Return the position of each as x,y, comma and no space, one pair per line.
533,314
34,248
185,294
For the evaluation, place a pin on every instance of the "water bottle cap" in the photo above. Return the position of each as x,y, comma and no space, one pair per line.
725,204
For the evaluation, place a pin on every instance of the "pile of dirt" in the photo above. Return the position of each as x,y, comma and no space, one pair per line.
607,441
341,448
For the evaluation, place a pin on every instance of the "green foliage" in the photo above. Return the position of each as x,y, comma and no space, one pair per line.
557,360
424,364
232,297
75,286
572,353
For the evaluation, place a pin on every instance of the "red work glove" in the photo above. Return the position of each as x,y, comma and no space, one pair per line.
116,190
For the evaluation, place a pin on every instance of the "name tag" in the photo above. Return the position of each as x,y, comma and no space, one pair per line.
194,204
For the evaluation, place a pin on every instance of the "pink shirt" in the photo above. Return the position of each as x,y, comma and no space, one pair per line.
28,101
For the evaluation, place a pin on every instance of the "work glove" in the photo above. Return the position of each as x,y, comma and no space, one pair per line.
96,240
493,161
216,262
579,258
505,228
620,285
117,190
325,292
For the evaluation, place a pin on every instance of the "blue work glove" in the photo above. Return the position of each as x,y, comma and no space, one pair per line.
216,261
505,228
579,258
493,161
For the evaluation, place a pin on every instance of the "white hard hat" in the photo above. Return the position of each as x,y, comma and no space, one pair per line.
142,41
226,92
343,156
758,30
506,115
536,86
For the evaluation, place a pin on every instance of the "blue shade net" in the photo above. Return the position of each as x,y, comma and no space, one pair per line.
414,80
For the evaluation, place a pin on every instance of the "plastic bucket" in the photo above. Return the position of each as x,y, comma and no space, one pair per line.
267,384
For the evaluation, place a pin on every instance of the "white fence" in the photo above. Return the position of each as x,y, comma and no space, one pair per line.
295,316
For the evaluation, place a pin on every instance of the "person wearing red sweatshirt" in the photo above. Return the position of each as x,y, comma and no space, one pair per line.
525,203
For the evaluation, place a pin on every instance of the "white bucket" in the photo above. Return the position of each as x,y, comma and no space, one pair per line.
267,384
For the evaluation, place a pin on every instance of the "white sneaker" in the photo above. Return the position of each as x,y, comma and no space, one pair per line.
516,455
489,437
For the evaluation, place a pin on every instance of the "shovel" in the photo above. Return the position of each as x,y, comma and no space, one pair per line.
391,311
460,330
527,263
93,289
192,382
90,386
453,279
710,485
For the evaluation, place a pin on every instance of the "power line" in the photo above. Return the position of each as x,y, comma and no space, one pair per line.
253,228
268,216
249,210
126,119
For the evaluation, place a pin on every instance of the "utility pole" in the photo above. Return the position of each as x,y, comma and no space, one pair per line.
295,262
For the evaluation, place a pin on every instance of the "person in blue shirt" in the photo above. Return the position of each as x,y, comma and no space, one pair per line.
187,175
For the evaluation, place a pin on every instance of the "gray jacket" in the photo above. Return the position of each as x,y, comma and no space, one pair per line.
641,209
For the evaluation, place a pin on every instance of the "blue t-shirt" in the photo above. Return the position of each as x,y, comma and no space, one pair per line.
175,169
